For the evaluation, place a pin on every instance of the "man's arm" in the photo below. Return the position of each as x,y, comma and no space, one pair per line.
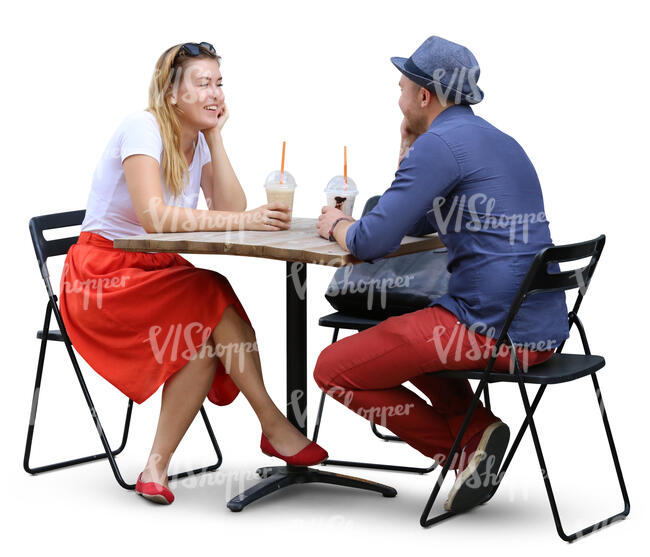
422,227
429,170
340,230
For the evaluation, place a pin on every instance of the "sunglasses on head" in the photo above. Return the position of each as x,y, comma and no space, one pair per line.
193,49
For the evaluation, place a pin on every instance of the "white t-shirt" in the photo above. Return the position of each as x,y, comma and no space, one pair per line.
109,211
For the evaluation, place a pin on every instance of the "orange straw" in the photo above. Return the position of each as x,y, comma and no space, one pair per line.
284,144
345,166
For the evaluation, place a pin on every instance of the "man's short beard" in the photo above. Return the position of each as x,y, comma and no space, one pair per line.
418,126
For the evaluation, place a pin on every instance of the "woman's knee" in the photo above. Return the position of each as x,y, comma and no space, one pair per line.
234,323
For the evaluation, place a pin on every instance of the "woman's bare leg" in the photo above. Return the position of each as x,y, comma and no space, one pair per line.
182,397
234,342
237,349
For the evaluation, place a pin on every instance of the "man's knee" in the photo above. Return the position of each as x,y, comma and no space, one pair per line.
327,367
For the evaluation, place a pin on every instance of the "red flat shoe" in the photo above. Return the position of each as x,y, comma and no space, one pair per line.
154,491
309,456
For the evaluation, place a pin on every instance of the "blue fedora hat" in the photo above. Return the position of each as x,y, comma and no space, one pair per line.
447,69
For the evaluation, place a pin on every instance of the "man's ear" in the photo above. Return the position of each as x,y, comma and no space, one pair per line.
425,97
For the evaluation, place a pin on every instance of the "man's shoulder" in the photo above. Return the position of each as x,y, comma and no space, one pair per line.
457,121
467,128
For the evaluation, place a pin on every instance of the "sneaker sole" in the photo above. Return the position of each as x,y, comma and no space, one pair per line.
485,464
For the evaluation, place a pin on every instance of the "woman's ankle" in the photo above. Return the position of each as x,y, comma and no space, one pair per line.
156,469
153,475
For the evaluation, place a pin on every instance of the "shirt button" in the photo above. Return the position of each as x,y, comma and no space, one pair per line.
457,322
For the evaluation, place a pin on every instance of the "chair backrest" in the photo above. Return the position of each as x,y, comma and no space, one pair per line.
370,204
538,279
59,246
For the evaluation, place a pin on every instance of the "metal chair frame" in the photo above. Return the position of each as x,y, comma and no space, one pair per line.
538,280
51,248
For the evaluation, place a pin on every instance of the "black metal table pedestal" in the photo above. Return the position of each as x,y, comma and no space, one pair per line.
277,477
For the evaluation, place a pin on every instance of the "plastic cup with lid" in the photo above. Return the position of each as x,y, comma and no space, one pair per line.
280,187
341,194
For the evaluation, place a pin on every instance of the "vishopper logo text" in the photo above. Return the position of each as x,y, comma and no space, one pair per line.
478,207
467,344
370,286
177,337
180,76
94,286
455,83
214,220
375,414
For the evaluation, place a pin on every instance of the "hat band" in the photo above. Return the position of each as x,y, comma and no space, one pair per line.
410,66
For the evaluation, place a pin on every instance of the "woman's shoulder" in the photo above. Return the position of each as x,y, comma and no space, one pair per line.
139,118
139,133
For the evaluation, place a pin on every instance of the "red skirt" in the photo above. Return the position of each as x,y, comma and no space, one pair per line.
137,318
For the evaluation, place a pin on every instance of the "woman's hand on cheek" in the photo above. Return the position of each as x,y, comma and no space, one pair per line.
215,131
223,117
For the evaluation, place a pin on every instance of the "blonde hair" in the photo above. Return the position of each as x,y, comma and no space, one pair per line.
165,80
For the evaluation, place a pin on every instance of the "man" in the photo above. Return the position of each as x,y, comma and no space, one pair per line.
473,184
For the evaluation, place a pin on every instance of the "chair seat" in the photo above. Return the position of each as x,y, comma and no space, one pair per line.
559,368
52,334
342,321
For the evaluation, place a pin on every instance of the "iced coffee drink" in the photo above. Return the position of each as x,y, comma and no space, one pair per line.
341,194
280,187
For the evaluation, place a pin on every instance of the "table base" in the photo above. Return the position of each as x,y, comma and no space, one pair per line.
277,477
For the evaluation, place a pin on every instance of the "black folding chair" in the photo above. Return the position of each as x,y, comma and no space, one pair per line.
560,368
49,248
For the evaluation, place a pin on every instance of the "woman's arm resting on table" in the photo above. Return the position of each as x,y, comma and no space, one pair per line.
142,174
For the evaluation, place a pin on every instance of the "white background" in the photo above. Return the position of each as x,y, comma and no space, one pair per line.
567,79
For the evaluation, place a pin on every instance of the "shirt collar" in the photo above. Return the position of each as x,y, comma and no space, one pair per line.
451,112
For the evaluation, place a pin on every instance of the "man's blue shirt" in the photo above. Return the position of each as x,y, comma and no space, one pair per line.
476,187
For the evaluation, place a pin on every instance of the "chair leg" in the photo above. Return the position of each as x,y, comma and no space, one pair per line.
321,404
515,444
108,452
425,521
383,437
529,421
486,397
215,445
547,482
335,336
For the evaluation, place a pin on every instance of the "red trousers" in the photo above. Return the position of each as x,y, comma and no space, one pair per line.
366,372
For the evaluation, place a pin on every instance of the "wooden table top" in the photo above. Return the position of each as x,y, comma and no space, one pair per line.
300,243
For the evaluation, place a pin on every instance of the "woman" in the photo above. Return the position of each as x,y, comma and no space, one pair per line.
143,319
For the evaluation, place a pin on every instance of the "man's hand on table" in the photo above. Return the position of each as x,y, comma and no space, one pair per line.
329,215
